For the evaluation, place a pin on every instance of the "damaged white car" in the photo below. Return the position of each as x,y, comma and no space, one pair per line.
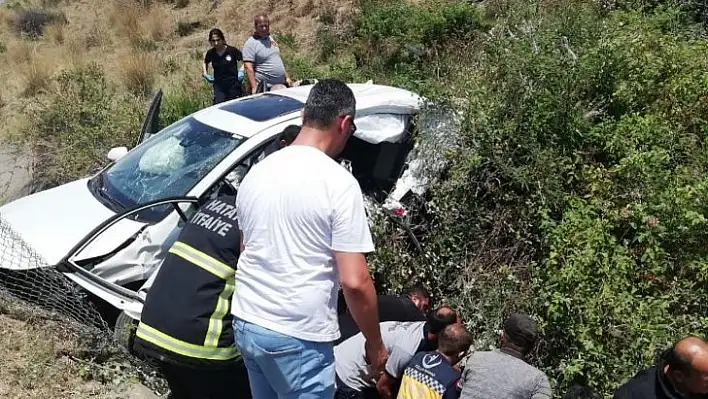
109,232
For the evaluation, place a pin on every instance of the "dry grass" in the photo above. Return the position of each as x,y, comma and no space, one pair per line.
55,33
158,24
139,73
33,64
74,48
137,46
33,363
19,52
124,18
43,357
37,76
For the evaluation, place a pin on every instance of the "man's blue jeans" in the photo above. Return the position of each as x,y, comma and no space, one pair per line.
283,367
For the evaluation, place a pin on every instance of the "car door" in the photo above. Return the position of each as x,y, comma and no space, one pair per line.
115,294
151,124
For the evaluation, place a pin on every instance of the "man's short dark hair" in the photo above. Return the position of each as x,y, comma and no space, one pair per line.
328,99
441,318
417,289
520,330
454,339
676,361
289,134
581,392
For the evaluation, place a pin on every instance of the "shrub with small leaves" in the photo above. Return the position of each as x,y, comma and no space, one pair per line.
31,23
83,117
575,191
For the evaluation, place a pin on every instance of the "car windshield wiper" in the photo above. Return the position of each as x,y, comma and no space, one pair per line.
100,189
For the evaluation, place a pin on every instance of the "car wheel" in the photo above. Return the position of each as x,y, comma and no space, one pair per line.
124,331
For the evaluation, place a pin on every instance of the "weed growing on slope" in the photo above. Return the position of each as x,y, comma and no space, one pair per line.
83,117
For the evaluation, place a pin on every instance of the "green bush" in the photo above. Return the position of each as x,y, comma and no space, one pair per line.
576,192
82,119
185,28
187,97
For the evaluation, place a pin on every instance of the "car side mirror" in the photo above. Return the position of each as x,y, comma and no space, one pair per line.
117,153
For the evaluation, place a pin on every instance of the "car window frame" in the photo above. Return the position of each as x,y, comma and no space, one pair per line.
252,146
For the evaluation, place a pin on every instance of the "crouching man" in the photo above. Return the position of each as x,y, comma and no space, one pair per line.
403,340
433,374
185,325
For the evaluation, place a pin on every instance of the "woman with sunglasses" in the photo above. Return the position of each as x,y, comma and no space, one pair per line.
224,59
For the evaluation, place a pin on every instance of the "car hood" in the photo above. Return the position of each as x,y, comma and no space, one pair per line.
53,221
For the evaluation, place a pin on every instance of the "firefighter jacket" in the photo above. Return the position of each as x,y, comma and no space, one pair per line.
186,317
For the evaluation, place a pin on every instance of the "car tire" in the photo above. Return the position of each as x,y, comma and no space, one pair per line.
124,331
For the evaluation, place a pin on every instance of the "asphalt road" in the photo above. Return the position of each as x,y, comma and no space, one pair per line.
15,172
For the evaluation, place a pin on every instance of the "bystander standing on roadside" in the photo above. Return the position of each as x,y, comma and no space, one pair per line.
224,61
680,373
262,61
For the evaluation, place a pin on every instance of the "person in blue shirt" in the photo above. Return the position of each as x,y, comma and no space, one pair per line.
432,374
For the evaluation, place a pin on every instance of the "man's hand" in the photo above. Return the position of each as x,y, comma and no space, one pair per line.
376,355
385,386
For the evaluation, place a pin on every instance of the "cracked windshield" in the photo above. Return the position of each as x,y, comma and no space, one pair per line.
168,164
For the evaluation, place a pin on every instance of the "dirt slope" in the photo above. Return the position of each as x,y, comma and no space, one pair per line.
40,360
159,44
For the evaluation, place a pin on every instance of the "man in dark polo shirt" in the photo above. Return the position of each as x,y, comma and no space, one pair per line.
413,305
681,373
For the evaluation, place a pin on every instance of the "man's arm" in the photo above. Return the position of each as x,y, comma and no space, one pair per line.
351,239
248,56
250,75
385,385
360,294
287,77
389,382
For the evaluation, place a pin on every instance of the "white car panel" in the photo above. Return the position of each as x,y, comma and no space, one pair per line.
140,258
54,220
386,99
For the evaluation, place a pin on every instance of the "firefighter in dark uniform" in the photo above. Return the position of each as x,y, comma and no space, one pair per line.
185,324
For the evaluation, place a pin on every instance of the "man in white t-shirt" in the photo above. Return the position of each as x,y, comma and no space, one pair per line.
304,230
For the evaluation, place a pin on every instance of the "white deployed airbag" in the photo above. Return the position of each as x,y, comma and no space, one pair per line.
379,128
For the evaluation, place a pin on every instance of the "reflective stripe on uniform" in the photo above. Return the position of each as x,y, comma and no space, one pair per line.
202,260
216,321
175,345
